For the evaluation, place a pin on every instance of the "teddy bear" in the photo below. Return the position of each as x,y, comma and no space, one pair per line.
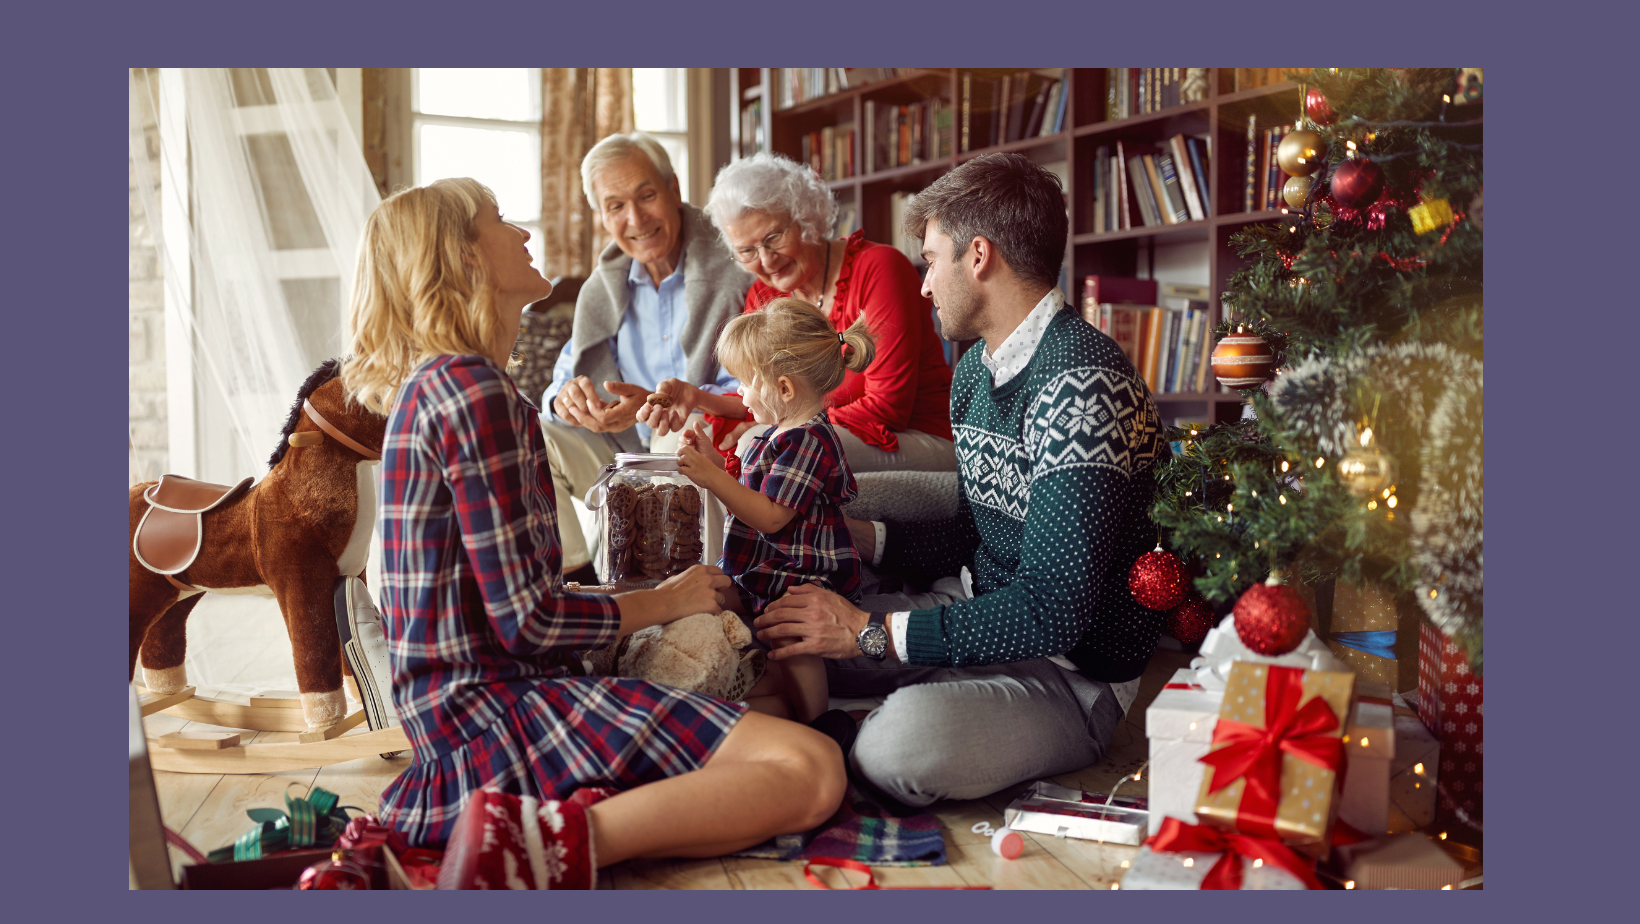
704,653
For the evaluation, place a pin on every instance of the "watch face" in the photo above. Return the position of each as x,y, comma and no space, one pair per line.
873,641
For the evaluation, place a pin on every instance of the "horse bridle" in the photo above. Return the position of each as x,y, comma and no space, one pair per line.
332,431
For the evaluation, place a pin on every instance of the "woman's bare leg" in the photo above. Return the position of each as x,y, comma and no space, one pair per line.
768,777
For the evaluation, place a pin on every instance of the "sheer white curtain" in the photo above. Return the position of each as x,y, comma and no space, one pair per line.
258,197
256,202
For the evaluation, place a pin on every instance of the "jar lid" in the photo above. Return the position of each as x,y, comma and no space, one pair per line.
626,462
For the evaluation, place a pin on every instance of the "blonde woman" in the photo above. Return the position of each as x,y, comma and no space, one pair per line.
480,635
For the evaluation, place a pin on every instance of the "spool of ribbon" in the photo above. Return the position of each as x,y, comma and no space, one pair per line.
1247,751
1176,836
1380,643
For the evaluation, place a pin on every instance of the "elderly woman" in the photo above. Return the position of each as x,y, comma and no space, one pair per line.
480,634
776,218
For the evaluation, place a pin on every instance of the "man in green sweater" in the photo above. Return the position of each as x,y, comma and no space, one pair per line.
1028,669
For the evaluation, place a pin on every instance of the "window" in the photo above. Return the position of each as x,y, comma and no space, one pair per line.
660,107
484,123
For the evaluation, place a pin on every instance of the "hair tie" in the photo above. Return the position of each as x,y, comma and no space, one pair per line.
840,339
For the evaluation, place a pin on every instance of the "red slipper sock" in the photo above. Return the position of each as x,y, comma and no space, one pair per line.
588,796
502,841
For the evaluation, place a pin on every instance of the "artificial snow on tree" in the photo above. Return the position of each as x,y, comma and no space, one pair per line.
1362,459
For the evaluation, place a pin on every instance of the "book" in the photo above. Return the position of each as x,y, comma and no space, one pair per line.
870,147
1247,192
1039,108
965,111
1273,174
1187,178
1118,179
1098,289
1168,172
1141,196
1158,195
1101,189
1050,110
1197,148
848,219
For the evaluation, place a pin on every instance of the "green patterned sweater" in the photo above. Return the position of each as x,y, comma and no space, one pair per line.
1056,470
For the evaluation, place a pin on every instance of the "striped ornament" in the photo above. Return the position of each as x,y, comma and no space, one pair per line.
1243,360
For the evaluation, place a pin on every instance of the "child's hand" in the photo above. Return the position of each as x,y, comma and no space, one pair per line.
696,458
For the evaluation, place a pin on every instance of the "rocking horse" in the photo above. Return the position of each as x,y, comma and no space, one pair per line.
301,535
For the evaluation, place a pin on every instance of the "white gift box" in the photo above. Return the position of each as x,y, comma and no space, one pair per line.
1412,773
1152,870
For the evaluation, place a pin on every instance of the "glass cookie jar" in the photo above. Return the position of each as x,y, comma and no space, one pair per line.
650,520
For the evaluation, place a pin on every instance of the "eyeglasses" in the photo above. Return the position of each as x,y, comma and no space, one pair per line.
772,244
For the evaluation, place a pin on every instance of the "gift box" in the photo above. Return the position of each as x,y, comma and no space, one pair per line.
1047,808
1276,755
1180,723
1364,629
1414,769
1400,861
1449,703
1188,857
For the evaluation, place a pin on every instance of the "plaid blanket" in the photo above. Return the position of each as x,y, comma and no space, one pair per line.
862,831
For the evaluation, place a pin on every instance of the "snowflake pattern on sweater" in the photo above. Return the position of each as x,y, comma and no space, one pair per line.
1057,472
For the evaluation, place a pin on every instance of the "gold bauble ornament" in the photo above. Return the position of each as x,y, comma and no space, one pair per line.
1367,471
1296,190
1300,153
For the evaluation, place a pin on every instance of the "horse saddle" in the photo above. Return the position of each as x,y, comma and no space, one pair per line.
168,536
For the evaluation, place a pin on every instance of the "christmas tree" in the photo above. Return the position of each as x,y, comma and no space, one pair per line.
1361,457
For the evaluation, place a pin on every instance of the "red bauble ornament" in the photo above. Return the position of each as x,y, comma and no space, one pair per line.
1159,580
1271,618
1356,183
1189,621
1243,360
1319,110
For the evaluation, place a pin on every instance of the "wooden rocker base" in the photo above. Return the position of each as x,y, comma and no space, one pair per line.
276,758
222,752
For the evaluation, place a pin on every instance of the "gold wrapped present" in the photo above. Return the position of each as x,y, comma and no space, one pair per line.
1277,750
1364,629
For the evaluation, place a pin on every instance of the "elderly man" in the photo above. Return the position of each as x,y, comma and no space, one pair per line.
651,311
1026,669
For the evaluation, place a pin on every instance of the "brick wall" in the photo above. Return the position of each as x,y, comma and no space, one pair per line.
148,458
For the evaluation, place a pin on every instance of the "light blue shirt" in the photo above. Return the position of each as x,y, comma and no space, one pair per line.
647,348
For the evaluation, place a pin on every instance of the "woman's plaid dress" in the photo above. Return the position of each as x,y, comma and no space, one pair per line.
478,633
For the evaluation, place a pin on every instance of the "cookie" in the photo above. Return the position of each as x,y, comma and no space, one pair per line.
688,498
620,532
648,511
620,499
659,400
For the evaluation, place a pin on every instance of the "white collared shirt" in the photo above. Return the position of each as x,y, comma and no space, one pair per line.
1015,352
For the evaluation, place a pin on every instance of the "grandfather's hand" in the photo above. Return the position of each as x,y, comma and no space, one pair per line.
821,622
664,420
697,590
578,403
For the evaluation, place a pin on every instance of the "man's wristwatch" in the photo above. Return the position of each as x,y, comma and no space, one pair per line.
873,639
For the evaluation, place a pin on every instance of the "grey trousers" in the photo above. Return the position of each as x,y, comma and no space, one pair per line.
963,733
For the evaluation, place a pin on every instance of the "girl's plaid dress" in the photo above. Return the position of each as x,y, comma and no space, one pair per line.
803,468
479,635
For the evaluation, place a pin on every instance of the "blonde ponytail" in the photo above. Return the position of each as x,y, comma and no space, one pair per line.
791,337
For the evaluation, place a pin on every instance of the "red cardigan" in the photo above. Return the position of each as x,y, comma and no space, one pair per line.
908,384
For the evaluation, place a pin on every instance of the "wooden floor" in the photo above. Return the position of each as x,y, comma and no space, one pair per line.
249,652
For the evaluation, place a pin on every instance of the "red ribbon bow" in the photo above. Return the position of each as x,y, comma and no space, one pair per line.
1177,836
1255,753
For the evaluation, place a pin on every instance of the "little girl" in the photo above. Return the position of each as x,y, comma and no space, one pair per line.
786,521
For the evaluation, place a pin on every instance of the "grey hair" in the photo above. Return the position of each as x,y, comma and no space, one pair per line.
619,147
775,185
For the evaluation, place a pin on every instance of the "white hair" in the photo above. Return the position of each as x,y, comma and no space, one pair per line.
770,184
618,147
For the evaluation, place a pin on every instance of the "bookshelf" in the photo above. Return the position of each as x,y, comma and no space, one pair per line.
781,110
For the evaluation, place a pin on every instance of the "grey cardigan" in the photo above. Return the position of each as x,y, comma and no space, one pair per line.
714,290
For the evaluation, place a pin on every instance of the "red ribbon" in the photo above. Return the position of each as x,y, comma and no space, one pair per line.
1177,837
1310,734
871,881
